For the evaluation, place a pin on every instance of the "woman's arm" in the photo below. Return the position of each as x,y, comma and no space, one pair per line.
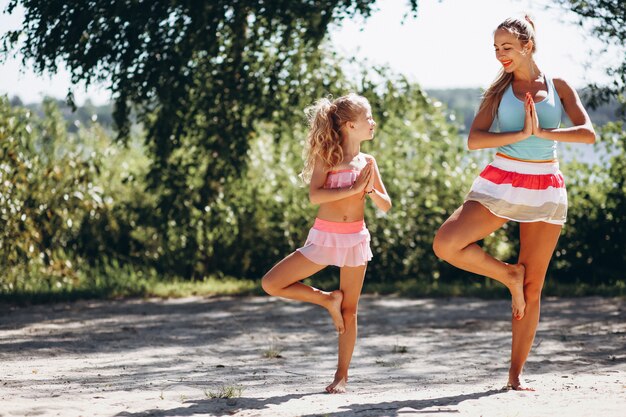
318,194
582,129
480,137
377,192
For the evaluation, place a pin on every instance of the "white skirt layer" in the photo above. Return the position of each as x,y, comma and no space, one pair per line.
522,191
339,249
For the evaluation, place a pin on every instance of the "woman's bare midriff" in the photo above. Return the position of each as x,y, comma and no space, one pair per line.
351,209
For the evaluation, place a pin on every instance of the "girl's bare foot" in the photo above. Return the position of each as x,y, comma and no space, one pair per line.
516,286
338,386
515,384
334,308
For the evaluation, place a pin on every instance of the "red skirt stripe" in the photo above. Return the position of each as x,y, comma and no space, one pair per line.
528,181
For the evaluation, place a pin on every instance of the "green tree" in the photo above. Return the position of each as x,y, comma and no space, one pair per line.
202,77
608,21
199,76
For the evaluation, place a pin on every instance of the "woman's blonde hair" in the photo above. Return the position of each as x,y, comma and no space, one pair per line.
524,31
326,120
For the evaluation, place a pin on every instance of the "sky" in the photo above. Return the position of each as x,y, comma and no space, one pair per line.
448,45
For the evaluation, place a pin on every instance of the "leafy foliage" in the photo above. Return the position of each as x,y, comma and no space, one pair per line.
56,201
260,218
213,190
592,248
608,20
47,192
426,170
200,75
211,67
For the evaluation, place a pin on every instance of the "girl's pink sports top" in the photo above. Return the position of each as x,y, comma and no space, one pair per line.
341,178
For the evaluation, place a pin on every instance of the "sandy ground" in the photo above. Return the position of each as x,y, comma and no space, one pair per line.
424,357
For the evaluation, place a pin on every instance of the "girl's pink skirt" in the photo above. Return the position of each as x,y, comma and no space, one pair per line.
336,243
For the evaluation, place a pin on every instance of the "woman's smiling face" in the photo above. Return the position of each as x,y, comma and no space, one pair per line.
509,50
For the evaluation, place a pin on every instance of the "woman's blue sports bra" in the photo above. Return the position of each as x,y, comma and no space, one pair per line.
510,118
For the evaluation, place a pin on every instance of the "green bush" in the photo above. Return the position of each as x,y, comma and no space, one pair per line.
66,207
427,171
592,248
47,190
79,219
264,216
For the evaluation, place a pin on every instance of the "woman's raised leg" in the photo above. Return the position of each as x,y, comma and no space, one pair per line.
455,243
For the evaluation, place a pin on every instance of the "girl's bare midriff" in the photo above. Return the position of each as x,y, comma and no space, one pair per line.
351,209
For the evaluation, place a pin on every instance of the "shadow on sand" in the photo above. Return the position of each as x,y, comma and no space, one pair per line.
388,408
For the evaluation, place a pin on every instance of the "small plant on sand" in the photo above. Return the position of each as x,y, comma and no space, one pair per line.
225,392
385,364
273,352
400,349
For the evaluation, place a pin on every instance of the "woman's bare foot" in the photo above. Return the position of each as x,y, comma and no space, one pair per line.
515,384
334,308
338,386
516,286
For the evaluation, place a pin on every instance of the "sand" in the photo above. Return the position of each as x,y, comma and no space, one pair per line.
414,357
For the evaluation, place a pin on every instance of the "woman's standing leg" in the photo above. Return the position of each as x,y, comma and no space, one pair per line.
455,243
351,283
282,281
537,243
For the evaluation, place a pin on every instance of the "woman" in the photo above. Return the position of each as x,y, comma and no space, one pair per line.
522,184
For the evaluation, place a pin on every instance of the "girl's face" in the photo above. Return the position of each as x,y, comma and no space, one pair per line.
364,125
510,51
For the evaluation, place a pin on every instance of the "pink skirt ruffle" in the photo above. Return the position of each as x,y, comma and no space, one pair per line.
339,244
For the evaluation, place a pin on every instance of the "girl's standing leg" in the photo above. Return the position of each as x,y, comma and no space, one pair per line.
537,243
351,283
282,281
455,243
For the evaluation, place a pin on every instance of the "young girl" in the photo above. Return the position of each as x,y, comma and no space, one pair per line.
341,178
522,184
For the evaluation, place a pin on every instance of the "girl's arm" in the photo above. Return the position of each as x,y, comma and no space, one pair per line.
318,194
480,137
581,132
376,189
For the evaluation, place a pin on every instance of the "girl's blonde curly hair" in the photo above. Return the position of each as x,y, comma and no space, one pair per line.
326,120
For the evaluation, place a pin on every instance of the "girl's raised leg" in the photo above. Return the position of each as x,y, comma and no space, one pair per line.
282,281
455,242
351,283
